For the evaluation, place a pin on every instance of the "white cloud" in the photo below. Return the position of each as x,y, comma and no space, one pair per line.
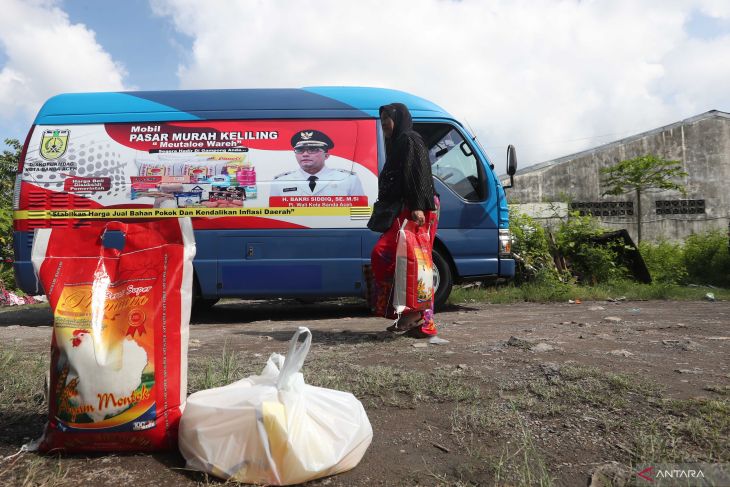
46,55
715,8
553,77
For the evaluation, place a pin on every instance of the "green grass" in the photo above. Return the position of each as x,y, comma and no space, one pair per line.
701,426
496,427
518,461
578,386
391,386
721,390
376,385
208,372
35,471
25,307
22,382
658,429
22,396
531,467
559,292
627,412
483,417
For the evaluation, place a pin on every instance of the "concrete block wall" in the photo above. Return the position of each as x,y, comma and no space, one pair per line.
701,144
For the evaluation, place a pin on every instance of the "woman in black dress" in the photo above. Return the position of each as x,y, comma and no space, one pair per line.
406,179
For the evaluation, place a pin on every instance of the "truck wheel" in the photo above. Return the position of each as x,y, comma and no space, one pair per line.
201,304
443,279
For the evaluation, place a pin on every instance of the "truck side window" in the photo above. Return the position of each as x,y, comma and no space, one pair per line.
453,161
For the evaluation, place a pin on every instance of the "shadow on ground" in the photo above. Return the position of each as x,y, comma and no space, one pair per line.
328,337
27,315
20,427
230,312
279,310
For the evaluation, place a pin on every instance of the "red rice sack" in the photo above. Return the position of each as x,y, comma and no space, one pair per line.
120,334
413,279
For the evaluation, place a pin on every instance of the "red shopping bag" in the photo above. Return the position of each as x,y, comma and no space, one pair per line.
413,279
120,332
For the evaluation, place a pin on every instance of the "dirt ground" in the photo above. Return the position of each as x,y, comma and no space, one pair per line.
521,394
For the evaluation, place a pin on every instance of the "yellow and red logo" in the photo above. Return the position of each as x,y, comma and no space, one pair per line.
136,320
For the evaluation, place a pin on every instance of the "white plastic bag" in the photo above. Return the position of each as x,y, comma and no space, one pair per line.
273,428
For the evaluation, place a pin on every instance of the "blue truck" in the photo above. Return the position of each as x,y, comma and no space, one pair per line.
226,158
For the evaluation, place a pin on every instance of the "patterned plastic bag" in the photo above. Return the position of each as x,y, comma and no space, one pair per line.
413,279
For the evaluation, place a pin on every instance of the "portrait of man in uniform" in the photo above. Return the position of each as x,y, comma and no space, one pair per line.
313,177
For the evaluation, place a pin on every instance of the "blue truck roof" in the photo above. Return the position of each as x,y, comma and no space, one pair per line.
230,104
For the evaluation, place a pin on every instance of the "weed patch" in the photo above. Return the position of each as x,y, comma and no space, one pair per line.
546,292
722,390
35,471
665,261
589,386
477,418
216,371
707,258
519,462
701,425
516,460
692,430
22,386
629,406
390,386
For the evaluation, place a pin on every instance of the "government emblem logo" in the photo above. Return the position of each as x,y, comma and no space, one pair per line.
54,144
306,135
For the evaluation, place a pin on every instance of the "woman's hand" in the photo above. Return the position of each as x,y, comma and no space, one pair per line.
418,217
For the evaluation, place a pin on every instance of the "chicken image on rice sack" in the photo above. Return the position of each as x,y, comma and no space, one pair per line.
120,333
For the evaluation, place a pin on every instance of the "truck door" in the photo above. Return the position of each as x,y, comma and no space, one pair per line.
468,221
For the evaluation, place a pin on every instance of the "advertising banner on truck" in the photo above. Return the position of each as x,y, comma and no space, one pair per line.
223,174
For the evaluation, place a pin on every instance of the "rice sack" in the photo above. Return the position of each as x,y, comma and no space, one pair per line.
120,333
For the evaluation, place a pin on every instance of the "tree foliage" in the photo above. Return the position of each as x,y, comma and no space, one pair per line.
640,175
643,173
8,167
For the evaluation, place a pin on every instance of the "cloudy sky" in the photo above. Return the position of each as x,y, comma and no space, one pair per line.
552,77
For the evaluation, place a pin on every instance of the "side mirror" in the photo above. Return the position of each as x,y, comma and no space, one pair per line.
511,165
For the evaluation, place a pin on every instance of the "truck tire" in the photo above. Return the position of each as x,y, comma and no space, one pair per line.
201,304
443,279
